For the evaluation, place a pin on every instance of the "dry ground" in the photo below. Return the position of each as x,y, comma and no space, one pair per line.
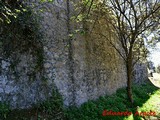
155,79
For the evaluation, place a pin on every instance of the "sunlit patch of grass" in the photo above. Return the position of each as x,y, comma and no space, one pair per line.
152,104
129,117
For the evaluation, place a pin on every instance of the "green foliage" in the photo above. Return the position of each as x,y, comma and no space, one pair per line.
50,109
53,106
117,102
22,35
9,9
4,110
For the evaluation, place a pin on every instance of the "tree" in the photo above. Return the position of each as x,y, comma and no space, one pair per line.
131,21
133,18
11,8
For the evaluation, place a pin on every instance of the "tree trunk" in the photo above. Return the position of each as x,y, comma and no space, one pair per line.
129,67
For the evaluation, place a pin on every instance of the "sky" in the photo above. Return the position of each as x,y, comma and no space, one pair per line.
155,55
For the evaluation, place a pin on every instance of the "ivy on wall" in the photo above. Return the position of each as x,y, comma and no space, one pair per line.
20,33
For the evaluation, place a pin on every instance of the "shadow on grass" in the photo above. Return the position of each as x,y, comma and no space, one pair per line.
92,110
141,94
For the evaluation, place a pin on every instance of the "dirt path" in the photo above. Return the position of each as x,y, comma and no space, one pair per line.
155,79
155,101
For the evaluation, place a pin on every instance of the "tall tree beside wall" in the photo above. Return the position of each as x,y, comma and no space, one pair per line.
130,21
133,19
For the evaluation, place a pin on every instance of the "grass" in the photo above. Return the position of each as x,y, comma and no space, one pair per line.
146,99
51,109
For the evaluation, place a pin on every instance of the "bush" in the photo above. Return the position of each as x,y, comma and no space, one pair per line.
4,110
52,107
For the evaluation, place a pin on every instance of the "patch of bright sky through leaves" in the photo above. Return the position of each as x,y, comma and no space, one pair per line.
155,54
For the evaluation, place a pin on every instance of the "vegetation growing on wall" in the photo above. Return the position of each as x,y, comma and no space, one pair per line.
20,34
51,109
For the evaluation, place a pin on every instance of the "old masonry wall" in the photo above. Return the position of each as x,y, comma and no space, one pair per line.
87,69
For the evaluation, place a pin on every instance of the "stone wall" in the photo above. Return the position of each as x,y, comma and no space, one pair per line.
140,73
97,67
19,84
